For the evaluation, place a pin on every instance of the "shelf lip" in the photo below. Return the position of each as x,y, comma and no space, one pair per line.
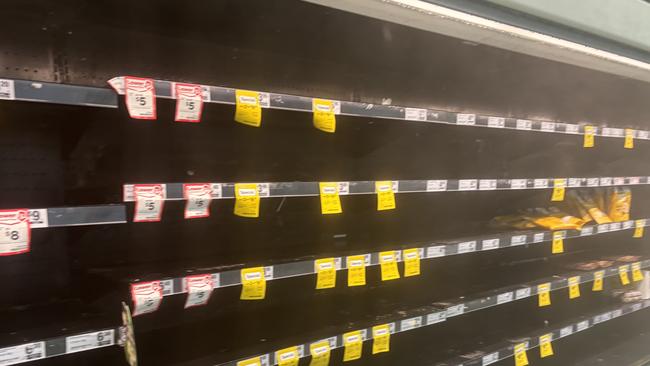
77,216
451,308
174,191
272,100
55,93
431,250
503,350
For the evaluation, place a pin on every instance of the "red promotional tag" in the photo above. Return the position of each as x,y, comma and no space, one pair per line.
199,289
15,232
146,296
189,102
149,201
198,196
140,96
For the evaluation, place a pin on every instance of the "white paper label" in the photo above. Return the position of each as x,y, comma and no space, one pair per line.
87,341
518,183
605,181
15,232
199,288
415,114
518,240
643,135
198,196
619,181
540,183
409,324
522,293
496,122
467,185
344,189
603,228
615,226
570,128
574,182
633,180
616,313
587,230
149,201
466,247
487,184
548,126
538,237
582,325
504,297
524,124
436,185
437,251
7,90
566,331
189,102
490,359
465,119
140,97
628,224
438,317
146,296
22,353
489,244
592,182
38,218
455,310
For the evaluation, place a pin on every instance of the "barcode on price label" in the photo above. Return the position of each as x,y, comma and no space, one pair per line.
22,353
7,90
87,341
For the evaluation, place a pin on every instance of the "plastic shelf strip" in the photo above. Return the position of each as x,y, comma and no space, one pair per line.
44,92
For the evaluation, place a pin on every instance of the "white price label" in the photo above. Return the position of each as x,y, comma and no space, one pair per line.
466,247
540,183
642,135
566,331
415,114
538,237
605,181
524,124
140,97
615,226
522,293
189,102
518,183
38,218
437,251
571,128
436,185
455,310
15,232
487,184
467,185
412,323
465,119
490,359
496,122
22,353
548,126
87,341
582,325
199,288
489,244
633,180
438,317
603,228
619,181
146,296
504,297
575,182
587,230
7,90
149,202
518,240
628,224
592,182
198,196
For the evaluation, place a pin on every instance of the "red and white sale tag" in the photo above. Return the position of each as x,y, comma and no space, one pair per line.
198,196
189,102
199,289
146,296
149,201
15,231
140,97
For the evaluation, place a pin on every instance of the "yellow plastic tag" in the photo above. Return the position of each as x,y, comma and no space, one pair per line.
598,281
356,270
353,343
324,117
559,185
247,200
248,109
320,353
388,263
330,202
380,338
638,229
545,346
637,275
521,359
411,258
544,294
288,356
255,361
622,273
325,273
558,243
629,138
589,136
385,195
574,287
253,284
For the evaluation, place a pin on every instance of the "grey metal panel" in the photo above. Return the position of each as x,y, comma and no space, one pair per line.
64,94
86,215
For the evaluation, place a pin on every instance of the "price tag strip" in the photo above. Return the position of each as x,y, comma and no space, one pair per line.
326,122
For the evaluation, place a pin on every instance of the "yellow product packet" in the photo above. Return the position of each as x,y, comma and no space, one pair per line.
620,201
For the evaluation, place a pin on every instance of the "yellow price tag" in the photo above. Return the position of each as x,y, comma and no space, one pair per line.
637,275
289,356
380,338
385,195
325,273
544,294
324,115
247,200
598,281
559,185
388,263
574,287
558,242
248,109
629,138
590,131
356,270
255,361
320,353
330,202
253,284
353,343
638,228
622,273
521,359
545,346
411,258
